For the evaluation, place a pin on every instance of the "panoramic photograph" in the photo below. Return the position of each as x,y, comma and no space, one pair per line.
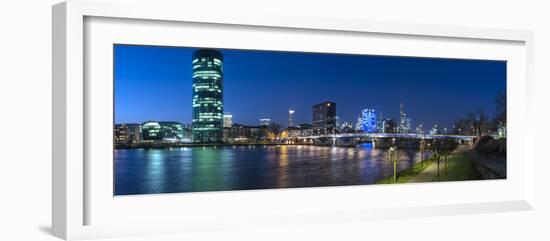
190,119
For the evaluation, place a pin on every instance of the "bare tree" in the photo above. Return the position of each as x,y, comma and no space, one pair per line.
437,149
422,149
394,156
448,147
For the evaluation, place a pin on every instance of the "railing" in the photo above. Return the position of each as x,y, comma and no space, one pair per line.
387,135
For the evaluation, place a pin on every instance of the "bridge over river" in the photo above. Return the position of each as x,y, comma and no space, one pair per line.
378,139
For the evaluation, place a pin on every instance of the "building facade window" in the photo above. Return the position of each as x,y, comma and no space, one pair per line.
208,119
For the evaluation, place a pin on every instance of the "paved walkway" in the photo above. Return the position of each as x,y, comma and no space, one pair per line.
427,175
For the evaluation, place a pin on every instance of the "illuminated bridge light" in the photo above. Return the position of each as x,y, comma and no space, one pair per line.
207,76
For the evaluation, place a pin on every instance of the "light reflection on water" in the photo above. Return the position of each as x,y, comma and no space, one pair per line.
195,169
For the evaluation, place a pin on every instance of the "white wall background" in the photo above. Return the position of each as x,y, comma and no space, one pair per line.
25,119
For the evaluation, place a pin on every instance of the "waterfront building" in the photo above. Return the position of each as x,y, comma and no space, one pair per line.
187,134
265,122
163,131
324,117
258,133
293,131
226,134
207,126
239,131
246,134
305,129
290,118
227,120
369,121
127,133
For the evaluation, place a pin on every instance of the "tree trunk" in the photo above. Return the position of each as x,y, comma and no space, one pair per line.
445,164
438,161
389,166
394,172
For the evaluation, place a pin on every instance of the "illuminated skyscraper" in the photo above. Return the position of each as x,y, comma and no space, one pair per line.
369,122
227,120
290,118
207,124
405,124
324,117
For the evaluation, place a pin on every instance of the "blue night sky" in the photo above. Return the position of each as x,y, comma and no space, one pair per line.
154,83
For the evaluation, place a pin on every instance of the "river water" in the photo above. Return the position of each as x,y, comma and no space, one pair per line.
197,169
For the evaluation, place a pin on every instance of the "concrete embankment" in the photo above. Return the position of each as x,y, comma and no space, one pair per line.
489,166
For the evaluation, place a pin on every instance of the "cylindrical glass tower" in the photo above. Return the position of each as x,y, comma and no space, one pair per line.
207,96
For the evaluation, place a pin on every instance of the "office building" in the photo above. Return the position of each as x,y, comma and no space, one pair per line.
369,121
290,118
208,120
405,123
324,117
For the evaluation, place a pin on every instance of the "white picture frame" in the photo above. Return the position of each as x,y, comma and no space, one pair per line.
76,192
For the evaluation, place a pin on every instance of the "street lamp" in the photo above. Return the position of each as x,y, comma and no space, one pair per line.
393,158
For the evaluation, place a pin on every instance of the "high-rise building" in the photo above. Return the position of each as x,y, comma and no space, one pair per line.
324,117
359,123
369,122
405,124
227,120
388,126
265,122
290,118
208,121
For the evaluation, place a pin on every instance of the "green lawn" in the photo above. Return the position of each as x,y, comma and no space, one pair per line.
405,175
459,168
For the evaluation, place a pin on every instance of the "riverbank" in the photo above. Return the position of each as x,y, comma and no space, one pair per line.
459,167
406,175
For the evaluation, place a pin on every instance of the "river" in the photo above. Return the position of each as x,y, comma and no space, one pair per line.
197,169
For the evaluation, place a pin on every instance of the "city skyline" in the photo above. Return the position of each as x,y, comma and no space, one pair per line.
154,83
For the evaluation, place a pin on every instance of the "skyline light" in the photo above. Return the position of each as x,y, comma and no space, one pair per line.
154,83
